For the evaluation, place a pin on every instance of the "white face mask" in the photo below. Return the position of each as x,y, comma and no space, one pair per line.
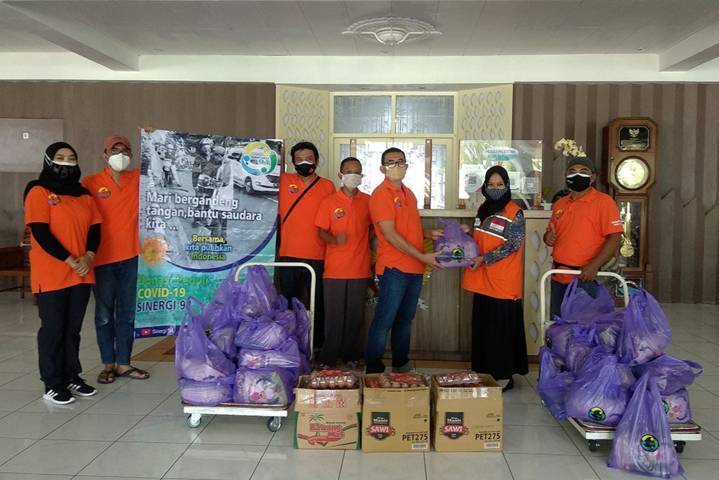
351,180
119,162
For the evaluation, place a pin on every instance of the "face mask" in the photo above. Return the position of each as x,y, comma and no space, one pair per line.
119,162
495,193
351,180
64,170
305,169
578,182
395,174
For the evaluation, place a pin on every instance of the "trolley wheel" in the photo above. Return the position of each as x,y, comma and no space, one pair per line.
593,445
679,446
194,420
274,423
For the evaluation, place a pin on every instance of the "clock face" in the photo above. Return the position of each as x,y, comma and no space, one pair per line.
632,173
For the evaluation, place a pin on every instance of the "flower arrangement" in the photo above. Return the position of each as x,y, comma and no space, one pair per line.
569,148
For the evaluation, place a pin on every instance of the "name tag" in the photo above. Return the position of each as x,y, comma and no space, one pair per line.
497,226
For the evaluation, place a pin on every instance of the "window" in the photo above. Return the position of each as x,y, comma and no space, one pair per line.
425,114
362,114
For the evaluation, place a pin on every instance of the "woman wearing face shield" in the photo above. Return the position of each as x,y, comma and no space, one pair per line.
498,340
65,227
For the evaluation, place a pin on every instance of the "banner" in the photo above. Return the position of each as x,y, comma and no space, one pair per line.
207,204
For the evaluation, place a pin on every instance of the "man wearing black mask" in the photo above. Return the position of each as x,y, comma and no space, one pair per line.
299,199
585,230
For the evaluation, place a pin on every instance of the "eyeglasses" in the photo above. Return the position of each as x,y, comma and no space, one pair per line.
393,164
115,151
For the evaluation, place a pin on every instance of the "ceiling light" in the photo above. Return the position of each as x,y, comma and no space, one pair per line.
392,31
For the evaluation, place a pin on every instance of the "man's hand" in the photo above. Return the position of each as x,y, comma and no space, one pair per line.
430,259
435,233
550,236
477,262
341,238
589,272
465,228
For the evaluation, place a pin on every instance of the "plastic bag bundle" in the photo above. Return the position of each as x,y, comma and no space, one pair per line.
302,331
579,306
221,324
670,373
599,396
286,318
607,333
455,248
642,442
557,337
677,407
646,331
259,296
286,355
266,386
553,384
208,393
260,333
579,345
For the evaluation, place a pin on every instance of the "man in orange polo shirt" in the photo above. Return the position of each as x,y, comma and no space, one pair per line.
344,222
299,199
584,231
116,193
400,264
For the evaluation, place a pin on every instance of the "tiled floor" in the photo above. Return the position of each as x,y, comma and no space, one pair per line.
137,430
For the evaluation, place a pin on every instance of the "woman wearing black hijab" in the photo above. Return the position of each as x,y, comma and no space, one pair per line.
65,227
498,341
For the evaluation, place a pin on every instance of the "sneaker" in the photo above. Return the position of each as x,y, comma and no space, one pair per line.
58,396
79,387
406,368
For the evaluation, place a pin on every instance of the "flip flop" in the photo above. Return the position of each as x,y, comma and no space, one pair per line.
135,374
106,376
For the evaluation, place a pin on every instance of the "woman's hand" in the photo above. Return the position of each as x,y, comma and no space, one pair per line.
85,263
477,262
341,238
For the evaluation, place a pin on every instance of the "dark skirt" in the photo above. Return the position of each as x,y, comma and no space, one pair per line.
498,341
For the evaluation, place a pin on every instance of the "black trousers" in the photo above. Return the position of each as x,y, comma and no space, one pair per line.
58,340
344,307
295,283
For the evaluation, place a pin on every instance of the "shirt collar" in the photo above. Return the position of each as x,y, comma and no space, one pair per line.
588,198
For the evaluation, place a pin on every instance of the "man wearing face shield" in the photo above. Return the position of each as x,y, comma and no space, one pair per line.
115,190
401,261
584,230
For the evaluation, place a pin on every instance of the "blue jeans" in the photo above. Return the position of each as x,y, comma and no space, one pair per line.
398,297
558,291
115,290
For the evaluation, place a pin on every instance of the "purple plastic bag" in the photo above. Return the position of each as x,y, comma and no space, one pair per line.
579,306
286,318
646,331
261,333
557,337
208,393
218,319
267,386
670,373
599,396
553,383
579,345
196,356
456,248
302,331
677,407
286,355
607,333
643,442
258,292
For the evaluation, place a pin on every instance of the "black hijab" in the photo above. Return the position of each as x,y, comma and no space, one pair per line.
59,179
490,207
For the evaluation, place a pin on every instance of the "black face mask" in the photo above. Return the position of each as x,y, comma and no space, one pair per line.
66,173
305,169
578,182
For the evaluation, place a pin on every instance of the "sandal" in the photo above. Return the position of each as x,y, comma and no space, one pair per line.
106,376
135,374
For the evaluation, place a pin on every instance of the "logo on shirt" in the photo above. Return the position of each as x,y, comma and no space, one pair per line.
104,193
397,202
558,213
293,188
339,213
53,199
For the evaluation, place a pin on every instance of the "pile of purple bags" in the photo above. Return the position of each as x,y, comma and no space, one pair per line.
608,367
246,346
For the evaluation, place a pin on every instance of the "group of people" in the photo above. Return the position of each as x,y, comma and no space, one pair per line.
85,233
84,238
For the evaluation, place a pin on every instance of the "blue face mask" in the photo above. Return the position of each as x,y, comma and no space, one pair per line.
495,193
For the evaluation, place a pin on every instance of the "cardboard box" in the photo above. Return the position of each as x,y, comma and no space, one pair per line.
467,419
327,419
395,419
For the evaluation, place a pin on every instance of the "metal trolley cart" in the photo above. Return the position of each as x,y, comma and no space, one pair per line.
274,413
594,433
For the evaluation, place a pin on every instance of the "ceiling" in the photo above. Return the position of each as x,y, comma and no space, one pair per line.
491,27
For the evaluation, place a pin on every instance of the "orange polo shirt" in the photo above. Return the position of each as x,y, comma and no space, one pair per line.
70,219
399,205
119,206
582,227
300,237
339,213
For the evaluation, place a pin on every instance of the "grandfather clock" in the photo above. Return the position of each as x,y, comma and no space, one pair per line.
630,169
